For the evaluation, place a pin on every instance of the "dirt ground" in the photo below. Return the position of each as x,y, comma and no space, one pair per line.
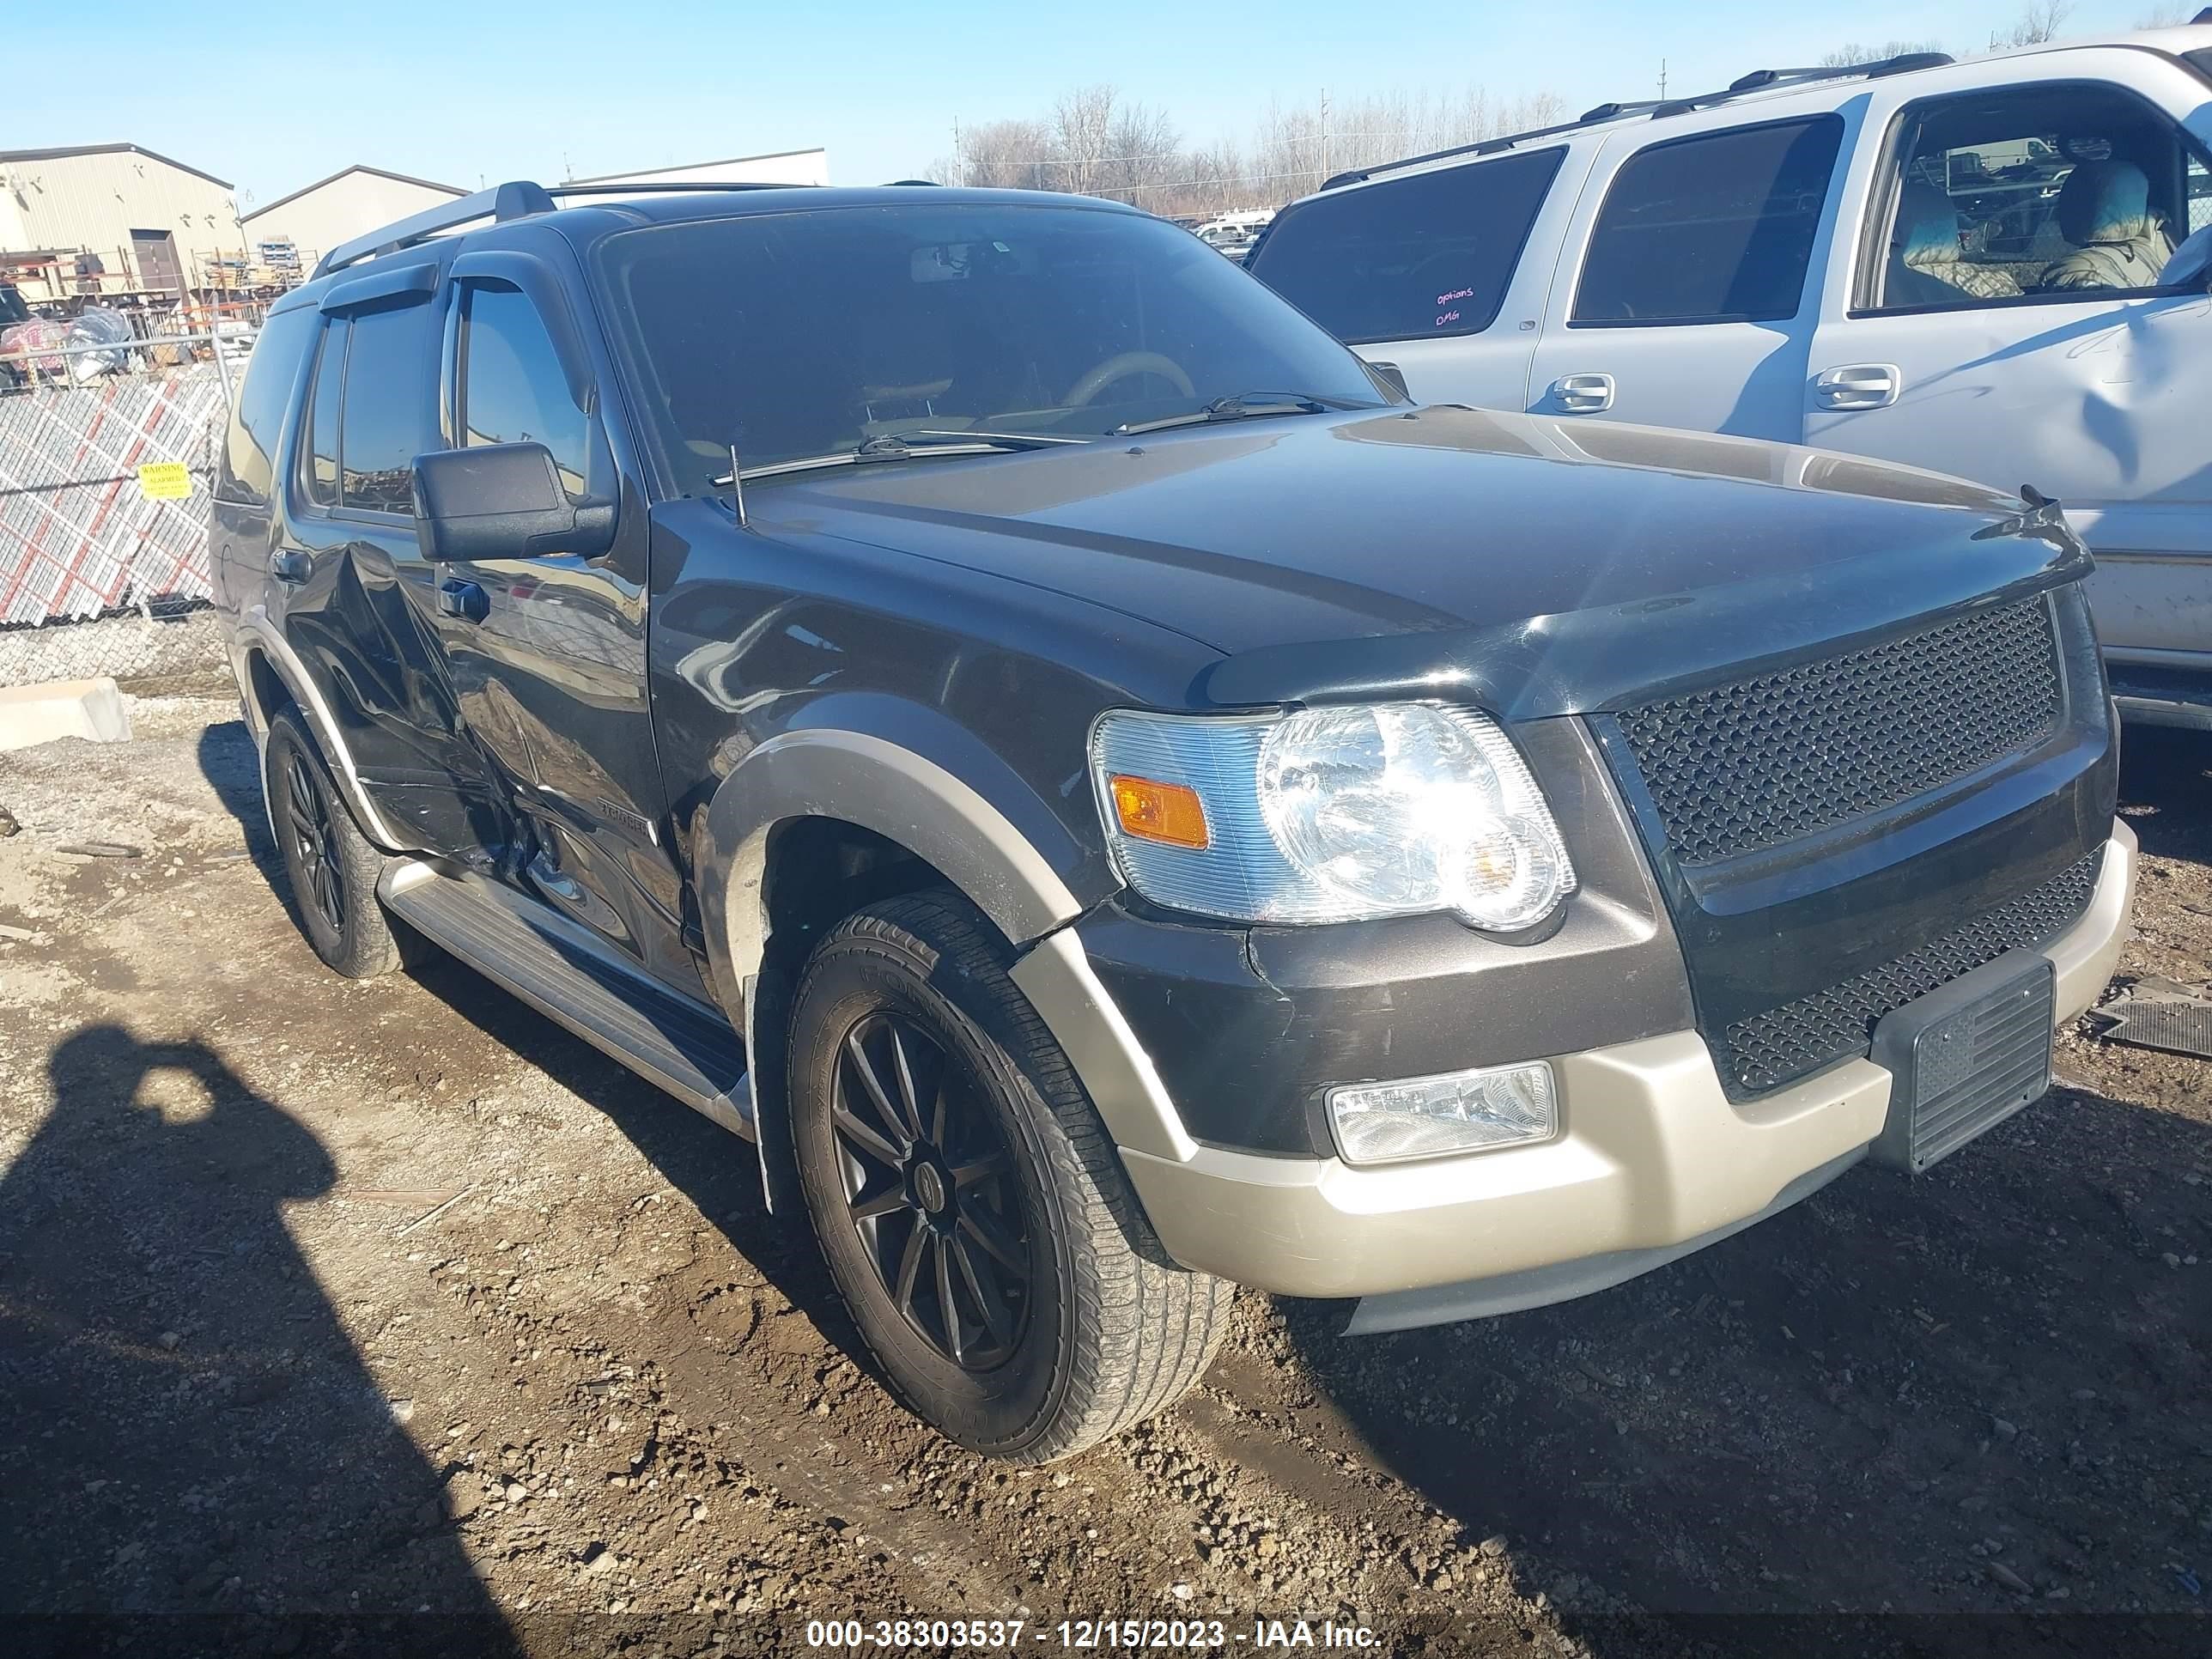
392,1305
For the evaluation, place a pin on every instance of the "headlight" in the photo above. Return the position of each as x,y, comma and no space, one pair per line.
1330,815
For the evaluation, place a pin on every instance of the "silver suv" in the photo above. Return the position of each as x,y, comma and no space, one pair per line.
1975,267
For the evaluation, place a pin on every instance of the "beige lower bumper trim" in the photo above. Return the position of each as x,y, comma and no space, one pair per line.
1653,1153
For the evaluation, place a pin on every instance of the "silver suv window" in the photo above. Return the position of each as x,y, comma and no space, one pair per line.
1429,254
2069,189
1716,228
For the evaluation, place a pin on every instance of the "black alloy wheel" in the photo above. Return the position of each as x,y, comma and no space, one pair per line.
929,1184
969,1204
332,868
321,871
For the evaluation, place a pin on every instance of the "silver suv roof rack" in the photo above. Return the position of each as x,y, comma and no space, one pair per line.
1658,109
517,198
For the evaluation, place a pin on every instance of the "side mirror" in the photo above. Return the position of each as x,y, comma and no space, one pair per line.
1392,381
502,502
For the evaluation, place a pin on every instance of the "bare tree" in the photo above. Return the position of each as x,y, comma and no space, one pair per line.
1851,53
1008,156
1144,154
2165,17
2038,21
1082,131
1096,142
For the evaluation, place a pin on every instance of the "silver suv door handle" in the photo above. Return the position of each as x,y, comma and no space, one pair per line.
1858,385
1583,394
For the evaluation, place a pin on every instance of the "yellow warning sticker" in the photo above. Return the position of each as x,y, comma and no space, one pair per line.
165,481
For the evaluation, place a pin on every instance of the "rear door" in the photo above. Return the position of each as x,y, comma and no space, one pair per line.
356,596
1427,270
1953,340
1682,298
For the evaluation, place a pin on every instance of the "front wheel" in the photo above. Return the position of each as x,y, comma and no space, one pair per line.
970,1203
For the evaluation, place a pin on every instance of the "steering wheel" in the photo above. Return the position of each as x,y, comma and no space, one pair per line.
1120,367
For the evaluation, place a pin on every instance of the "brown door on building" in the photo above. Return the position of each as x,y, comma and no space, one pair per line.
155,254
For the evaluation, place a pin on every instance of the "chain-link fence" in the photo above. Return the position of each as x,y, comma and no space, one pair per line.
101,572
173,641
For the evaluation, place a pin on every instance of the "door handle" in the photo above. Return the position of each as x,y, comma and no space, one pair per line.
1858,385
289,564
463,599
1584,394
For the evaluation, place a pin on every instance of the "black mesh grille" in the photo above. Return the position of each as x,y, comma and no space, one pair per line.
1765,761
1784,1044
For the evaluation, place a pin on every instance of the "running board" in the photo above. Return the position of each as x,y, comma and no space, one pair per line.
2149,697
567,973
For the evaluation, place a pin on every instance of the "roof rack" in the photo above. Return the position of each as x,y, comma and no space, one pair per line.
1658,109
517,198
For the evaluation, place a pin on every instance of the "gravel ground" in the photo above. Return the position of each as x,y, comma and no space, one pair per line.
392,1302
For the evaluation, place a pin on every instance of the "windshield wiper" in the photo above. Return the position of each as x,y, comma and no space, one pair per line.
1241,405
892,446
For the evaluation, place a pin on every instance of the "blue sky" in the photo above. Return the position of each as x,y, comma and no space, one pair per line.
274,96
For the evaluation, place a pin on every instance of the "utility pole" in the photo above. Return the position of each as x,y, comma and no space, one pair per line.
959,157
1662,80
1324,138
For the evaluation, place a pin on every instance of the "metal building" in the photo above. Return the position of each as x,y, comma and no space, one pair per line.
317,217
114,220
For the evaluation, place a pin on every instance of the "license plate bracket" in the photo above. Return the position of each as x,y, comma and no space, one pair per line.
1964,1057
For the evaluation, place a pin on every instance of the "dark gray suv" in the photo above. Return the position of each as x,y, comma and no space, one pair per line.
974,692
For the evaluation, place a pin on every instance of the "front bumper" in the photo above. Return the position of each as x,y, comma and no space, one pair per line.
1654,1160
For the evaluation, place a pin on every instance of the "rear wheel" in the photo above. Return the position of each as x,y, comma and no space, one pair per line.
332,866
971,1205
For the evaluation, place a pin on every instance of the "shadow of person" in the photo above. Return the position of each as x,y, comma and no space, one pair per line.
197,1458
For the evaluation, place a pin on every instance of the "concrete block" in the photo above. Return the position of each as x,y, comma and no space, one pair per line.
93,709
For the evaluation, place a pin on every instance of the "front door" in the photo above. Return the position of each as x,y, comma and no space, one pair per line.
548,651
1680,298
2013,331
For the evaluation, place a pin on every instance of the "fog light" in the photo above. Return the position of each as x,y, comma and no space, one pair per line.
1457,1112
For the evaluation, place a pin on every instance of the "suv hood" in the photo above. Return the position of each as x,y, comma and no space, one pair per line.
1540,566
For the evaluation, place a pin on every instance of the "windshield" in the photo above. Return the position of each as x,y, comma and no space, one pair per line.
796,335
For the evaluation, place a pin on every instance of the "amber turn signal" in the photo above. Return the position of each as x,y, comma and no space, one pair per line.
1168,812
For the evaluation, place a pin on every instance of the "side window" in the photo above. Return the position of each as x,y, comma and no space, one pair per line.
250,446
391,403
513,390
1714,228
2071,188
1429,254
319,444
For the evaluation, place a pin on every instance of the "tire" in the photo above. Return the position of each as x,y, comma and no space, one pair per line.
1007,1178
331,864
